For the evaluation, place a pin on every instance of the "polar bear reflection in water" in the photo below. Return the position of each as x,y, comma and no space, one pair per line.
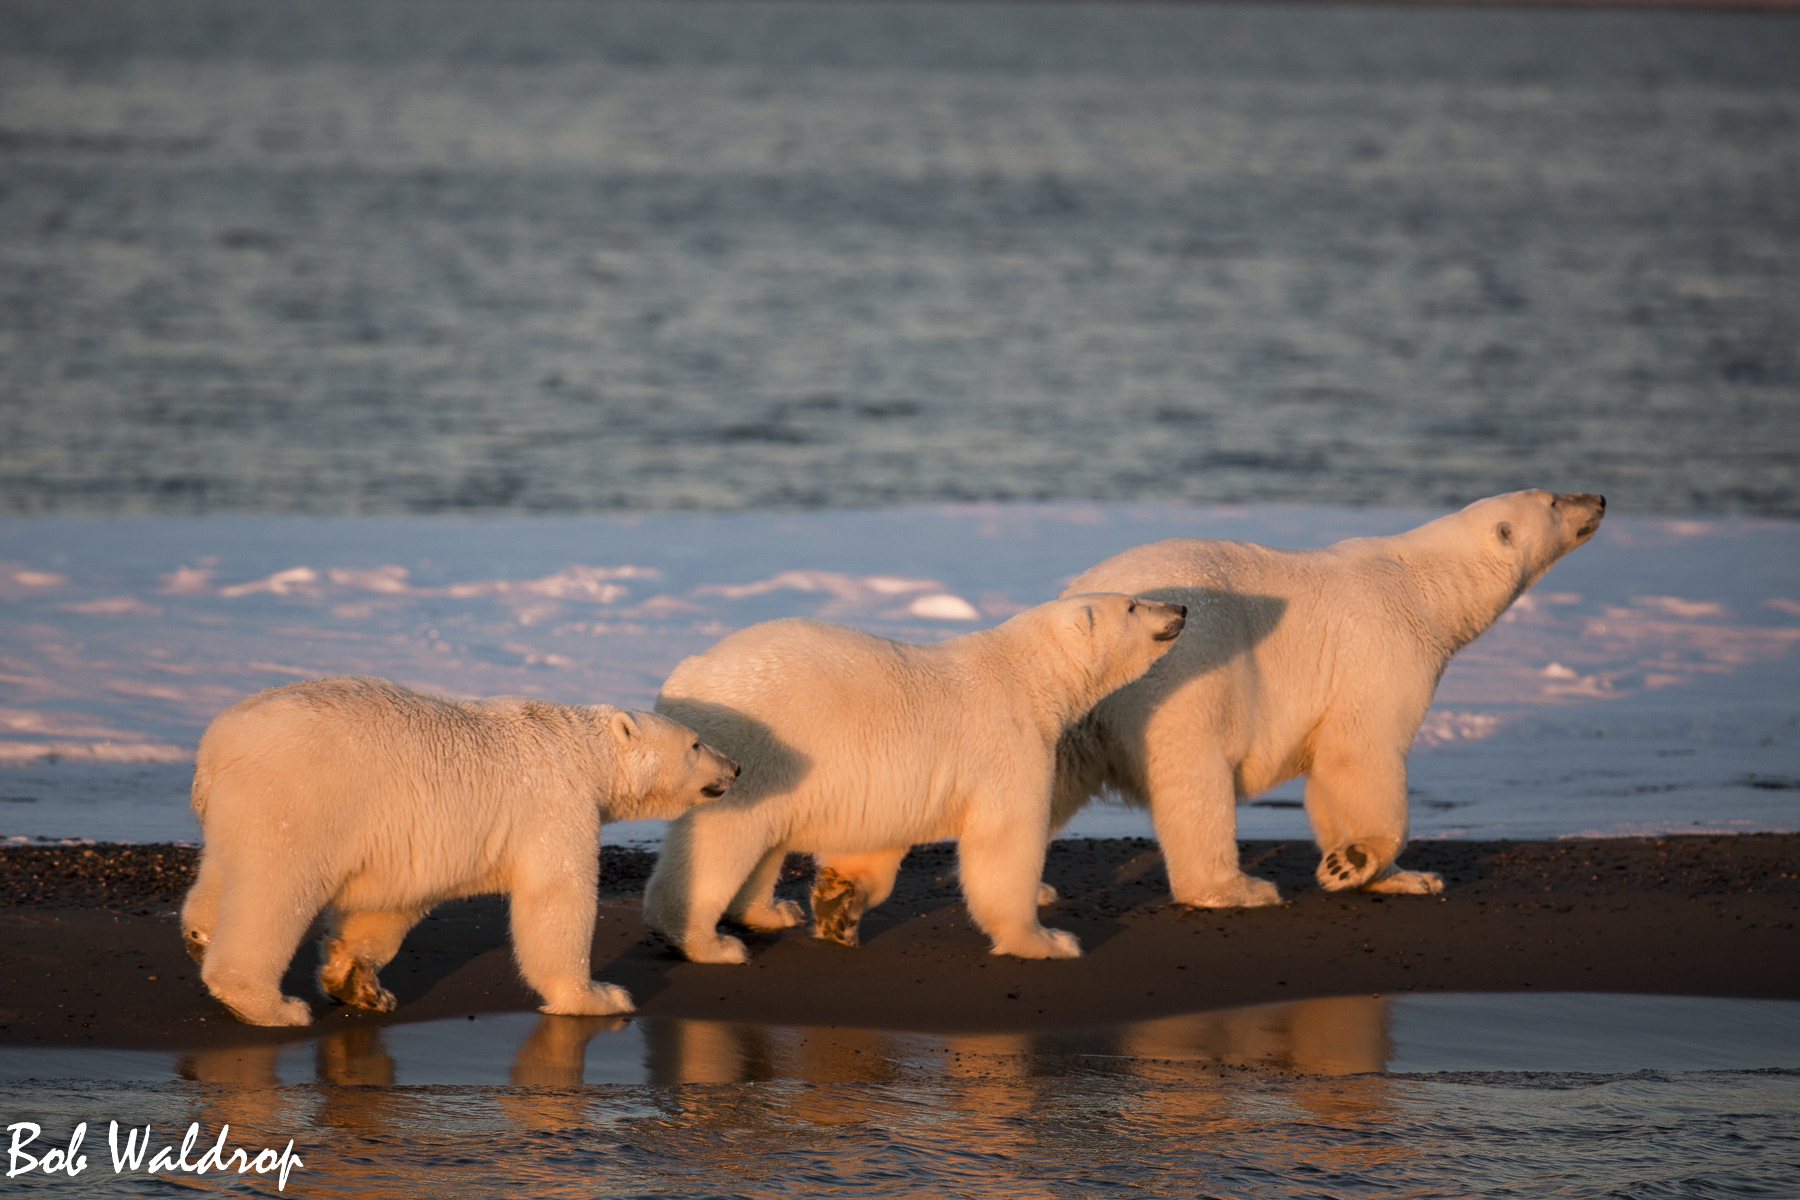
1343,1035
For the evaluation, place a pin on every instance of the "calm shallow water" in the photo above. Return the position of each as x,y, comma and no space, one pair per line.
1565,1095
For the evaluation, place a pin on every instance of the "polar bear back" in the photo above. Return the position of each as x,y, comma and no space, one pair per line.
396,779
866,726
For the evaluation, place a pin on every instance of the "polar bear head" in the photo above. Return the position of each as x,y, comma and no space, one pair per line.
662,767
1096,643
1524,533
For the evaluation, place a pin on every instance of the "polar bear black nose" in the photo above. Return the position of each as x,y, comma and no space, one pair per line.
736,770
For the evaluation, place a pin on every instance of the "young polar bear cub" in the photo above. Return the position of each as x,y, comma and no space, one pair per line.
1314,662
375,803
855,748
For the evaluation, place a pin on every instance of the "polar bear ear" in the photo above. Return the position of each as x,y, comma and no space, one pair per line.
1503,531
624,727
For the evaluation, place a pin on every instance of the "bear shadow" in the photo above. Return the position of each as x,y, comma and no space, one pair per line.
1229,624
771,766
452,935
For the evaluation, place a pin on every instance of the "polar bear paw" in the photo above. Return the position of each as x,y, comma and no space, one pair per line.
1395,882
1245,891
1042,943
284,1011
598,1000
1046,895
782,914
1347,867
718,948
837,905
355,984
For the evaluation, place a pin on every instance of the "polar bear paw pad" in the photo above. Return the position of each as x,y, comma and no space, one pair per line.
1347,867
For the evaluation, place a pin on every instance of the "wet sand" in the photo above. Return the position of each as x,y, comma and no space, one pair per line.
91,955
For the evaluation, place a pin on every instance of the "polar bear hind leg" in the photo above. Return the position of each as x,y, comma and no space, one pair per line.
755,906
355,947
1356,802
849,885
1193,807
252,942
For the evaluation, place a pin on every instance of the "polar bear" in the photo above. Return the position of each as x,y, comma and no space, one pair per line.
375,802
856,747
1314,662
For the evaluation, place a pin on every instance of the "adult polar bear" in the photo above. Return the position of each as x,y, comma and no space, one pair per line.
856,747
1313,662
377,802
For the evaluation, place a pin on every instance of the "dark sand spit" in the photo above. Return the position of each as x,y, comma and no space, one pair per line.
89,952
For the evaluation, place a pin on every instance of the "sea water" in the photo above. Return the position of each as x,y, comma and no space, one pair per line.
413,256
1443,1095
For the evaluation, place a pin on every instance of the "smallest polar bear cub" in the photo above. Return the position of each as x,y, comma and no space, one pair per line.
855,748
373,803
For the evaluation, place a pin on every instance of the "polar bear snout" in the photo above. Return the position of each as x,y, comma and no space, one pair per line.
729,774
1592,505
1175,620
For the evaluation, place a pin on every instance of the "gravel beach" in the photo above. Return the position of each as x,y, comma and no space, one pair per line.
92,955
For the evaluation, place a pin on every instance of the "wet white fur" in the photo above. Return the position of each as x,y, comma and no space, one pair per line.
854,748
1316,662
377,802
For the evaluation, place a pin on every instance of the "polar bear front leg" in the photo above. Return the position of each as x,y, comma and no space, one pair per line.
553,906
355,947
1356,803
706,858
1193,807
1000,859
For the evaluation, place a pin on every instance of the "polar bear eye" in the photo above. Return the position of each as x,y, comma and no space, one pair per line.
1504,531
